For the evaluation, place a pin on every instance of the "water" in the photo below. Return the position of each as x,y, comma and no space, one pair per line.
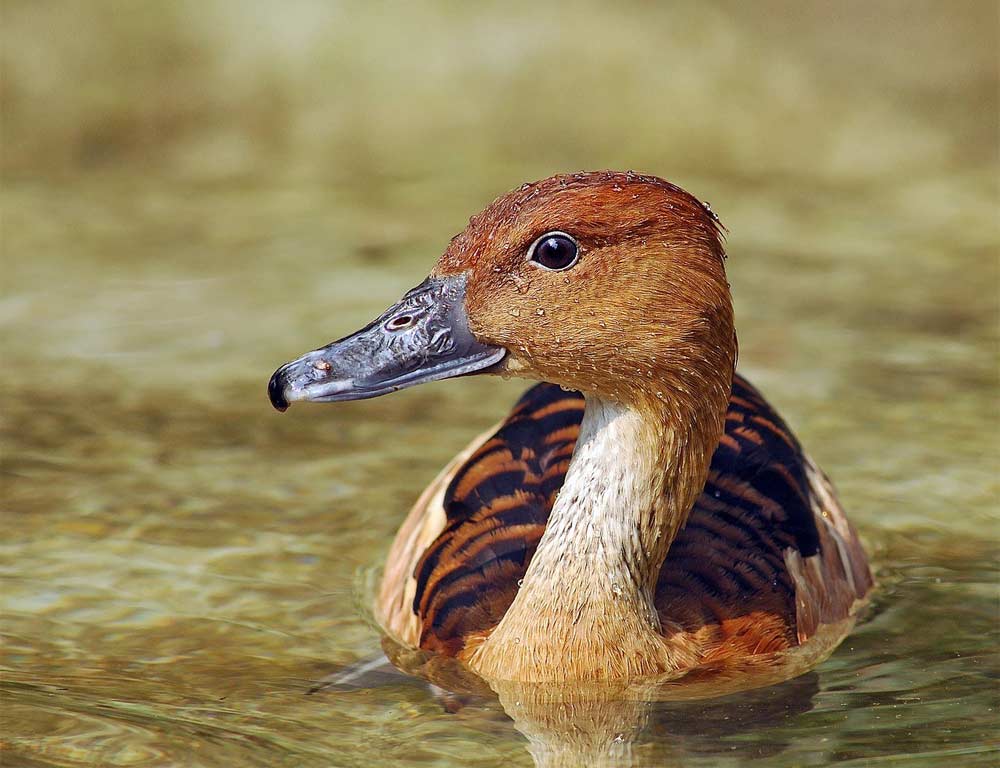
188,203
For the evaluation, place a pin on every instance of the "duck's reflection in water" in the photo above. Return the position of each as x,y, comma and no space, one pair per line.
583,730
636,724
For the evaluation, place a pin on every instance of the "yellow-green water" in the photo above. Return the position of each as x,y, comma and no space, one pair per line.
194,193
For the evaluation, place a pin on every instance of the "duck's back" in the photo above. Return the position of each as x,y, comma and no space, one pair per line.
765,559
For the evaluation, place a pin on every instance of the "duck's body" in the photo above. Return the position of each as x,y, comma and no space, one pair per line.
765,559
665,521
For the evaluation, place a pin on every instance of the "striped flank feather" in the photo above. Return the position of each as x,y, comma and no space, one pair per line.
727,569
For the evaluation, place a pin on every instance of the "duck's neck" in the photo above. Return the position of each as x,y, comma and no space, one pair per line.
585,607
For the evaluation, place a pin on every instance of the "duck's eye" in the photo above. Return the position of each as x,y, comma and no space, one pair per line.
554,250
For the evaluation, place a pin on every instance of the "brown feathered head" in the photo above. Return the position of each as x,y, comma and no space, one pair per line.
610,283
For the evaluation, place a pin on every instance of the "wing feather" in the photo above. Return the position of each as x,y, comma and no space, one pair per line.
766,557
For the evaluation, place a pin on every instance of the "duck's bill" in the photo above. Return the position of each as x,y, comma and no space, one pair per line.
424,337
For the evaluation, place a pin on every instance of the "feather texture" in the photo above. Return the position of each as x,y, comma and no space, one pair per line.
765,558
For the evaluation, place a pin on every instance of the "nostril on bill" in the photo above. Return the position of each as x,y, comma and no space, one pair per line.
399,322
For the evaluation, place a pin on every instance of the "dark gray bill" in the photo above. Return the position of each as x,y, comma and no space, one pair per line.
424,337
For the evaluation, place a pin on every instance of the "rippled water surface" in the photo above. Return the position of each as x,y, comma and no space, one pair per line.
195,193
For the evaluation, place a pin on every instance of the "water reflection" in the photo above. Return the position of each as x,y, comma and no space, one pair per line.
628,725
574,728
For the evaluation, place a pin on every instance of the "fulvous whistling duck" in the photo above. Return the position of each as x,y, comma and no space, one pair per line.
643,511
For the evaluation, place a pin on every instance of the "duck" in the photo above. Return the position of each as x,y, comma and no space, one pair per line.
643,512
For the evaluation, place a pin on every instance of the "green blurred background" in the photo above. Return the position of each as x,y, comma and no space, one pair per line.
194,192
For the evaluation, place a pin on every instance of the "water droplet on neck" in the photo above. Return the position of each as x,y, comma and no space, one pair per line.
515,312
540,312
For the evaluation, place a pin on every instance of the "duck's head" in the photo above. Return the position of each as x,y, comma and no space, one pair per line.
610,283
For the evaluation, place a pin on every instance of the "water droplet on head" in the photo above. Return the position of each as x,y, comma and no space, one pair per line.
708,209
515,312
540,312
519,282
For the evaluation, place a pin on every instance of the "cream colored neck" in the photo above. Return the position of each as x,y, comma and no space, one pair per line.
585,608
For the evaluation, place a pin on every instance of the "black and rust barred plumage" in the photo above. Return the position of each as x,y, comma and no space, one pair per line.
728,559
